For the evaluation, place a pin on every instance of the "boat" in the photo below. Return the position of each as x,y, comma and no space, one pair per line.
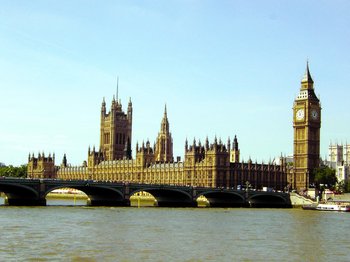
309,207
329,206
334,206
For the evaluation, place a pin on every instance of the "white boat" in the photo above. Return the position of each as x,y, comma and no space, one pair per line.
334,206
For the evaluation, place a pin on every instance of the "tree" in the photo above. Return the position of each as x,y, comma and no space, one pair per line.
340,187
11,171
324,175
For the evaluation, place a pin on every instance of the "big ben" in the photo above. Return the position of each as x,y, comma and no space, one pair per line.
306,124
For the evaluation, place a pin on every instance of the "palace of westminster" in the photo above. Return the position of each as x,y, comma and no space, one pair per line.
215,164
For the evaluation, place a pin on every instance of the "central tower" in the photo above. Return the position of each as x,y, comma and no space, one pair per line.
306,124
164,145
115,131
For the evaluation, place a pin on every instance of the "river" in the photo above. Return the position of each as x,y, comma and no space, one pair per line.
79,233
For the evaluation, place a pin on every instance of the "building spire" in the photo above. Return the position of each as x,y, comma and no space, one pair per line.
165,123
307,76
117,88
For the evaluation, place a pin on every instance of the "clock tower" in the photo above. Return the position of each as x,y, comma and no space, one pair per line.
306,124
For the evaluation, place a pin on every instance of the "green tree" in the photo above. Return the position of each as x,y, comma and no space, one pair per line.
11,171
324,175
341,186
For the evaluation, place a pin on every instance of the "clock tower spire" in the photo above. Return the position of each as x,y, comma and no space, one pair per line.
306,125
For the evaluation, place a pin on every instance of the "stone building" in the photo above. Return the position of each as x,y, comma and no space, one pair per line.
116,131
307,125
339,160
205,165
41,166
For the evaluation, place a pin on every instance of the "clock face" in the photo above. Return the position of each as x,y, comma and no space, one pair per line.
314,114
300,114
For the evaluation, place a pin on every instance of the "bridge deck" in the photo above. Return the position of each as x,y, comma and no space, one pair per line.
101,193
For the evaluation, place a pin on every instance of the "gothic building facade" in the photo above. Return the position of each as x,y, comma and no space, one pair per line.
307,125
215,164
116,131
339,160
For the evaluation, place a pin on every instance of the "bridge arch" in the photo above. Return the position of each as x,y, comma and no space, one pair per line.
223,199
21,195
97,195
268,200
167,197
142,198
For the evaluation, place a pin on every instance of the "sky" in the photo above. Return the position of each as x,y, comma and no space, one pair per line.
223,68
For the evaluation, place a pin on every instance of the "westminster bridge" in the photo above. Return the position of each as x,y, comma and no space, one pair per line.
32,192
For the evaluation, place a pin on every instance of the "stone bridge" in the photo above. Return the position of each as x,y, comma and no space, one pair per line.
32,192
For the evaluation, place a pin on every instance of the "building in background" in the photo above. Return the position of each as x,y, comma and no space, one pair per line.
339,160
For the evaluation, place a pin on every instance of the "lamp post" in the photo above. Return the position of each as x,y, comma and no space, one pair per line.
247,185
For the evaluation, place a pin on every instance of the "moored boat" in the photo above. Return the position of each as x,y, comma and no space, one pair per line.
334,206
309,207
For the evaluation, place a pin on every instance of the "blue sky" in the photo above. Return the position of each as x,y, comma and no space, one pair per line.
223,68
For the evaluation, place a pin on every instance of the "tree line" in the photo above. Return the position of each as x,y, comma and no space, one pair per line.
13,171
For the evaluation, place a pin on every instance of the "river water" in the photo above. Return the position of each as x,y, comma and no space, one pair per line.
80,233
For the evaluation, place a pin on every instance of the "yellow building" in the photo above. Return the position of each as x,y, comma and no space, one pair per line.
41,166
307,125
209,165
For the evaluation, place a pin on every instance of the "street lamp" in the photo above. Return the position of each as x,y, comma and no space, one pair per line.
247,185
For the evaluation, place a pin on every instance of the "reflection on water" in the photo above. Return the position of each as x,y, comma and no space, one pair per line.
66,202
62,233
59,201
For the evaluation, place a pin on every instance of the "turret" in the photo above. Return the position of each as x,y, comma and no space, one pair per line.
129,113
113,106
234,152
103,107
235,143
164,143
64,161
215,145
